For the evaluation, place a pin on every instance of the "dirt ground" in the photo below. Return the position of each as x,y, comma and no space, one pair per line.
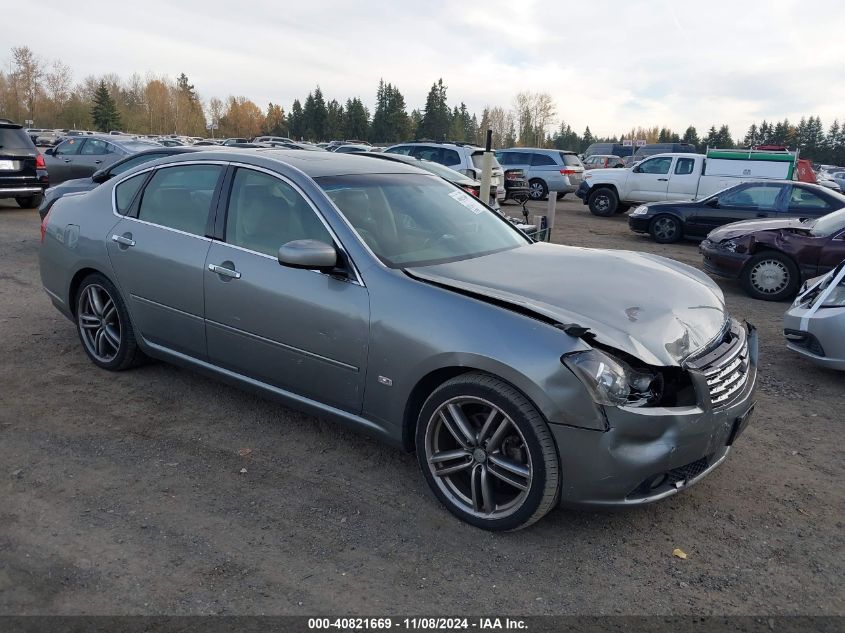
122,493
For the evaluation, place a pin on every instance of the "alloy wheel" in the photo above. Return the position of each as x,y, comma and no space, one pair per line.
602,203
536,191
769,276
478,457
99,323
665,228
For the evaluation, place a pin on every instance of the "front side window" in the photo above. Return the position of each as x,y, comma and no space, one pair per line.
180,197
656,165
266,213
753,197
418,220
69,147
400,149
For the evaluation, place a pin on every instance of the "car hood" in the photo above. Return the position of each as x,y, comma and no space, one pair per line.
738,229
653,308
606,173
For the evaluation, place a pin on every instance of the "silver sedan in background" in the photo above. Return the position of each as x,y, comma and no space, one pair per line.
376,294
815,324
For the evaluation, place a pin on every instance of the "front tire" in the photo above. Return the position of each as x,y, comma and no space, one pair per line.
665,229
603,202
771,276
103,325
487,453
537,189
29,202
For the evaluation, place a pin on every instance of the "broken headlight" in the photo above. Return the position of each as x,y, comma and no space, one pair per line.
610,380
727,245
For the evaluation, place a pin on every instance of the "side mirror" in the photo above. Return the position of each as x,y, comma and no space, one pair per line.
636,169
100,176
713,202
309,255
50,151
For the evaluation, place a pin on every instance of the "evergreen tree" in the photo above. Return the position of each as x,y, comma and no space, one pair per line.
295,121
104,112
587,140
752,136
436,117
415,123
724,138
356,119
691,137
712,138
390,120
319,116
334,120
765,133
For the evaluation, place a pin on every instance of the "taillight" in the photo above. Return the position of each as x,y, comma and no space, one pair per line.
39,162
44,226
471,190
568,172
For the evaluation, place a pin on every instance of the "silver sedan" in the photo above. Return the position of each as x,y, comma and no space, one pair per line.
815,324
373,293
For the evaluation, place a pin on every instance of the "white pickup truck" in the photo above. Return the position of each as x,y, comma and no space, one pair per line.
680,177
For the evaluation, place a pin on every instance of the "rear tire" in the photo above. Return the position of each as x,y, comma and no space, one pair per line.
487,453
537,189
665,229
603,202
771,276
29,202
103,325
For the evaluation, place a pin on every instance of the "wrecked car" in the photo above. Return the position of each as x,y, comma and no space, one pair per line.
523,375
815,324
771,257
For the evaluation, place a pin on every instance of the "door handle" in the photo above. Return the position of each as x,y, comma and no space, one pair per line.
122,239
67,160
663,179
762,215
97,162
224,272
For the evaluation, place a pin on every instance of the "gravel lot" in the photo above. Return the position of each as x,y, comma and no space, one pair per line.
122,493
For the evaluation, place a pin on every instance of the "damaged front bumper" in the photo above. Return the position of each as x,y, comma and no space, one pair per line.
650,453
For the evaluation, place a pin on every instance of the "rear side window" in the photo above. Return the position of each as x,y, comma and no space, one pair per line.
803,199
542,160
401,149
94,147
684,166
125,192
450,157
14,138
180,197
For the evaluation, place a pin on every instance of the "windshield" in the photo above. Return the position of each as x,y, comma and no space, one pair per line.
829,224
417,220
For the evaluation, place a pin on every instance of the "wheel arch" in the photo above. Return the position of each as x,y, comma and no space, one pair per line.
77,280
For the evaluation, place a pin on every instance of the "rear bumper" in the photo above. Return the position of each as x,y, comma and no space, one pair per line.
12,186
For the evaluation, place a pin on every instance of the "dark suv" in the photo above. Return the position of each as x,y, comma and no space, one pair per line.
23,175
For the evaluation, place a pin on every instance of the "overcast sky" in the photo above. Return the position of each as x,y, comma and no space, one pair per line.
608,64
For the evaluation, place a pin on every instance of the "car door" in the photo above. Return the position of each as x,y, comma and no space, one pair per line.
92,156
747,201
683,180
60,162
302,331
158,251
649,180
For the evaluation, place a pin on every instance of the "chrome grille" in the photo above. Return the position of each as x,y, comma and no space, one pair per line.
725,366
